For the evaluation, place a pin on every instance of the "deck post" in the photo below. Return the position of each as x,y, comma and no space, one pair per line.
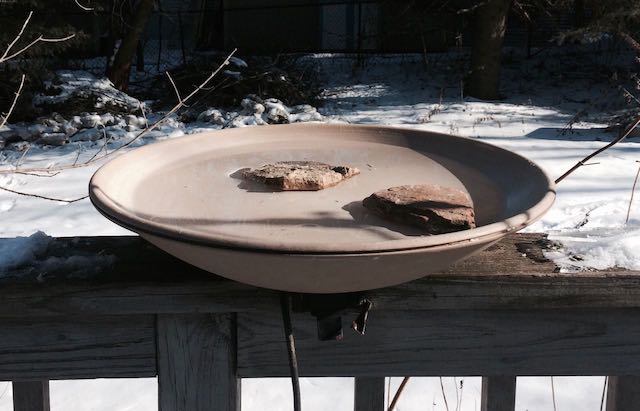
31,395
369,394
623,393
498,393
197,363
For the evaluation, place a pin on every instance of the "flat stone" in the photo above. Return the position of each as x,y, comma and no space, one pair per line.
434,208
300,175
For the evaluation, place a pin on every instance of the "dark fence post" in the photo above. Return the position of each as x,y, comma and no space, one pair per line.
197,367
31,395
369,394
498,393
623,393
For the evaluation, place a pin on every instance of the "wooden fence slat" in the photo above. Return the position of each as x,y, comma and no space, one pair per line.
368,394
197,363
512,274
31,395
498,393
623,393
450,342
77,347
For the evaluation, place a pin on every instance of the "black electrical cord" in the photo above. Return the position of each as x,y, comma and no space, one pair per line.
285,305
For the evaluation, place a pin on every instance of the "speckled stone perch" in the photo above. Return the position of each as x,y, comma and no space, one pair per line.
434,208
300,175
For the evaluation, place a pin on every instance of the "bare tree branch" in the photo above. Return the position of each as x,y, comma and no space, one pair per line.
15,99
396,397
94,159
174,86
85,8
600,150
6,56
15,40
43,197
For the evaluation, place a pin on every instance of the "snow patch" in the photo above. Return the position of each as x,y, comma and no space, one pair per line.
18,251
71,84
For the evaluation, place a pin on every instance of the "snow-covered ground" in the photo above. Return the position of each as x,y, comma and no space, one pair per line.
541,101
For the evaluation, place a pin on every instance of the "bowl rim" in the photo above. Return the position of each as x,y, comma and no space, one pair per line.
123,217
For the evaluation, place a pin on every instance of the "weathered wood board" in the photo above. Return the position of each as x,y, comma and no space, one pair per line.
144,280
505,311
77,347
451,342
196,363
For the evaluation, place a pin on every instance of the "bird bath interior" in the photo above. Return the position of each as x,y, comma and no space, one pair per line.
182,195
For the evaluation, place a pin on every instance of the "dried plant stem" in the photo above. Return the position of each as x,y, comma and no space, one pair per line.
444,395
95,158
144,132
13,104
553,394
459,404
600,150
62,200
83,7
604,393
175,89
6,56
396,397
633,190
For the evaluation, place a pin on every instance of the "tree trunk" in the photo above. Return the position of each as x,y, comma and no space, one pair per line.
489,24
119,70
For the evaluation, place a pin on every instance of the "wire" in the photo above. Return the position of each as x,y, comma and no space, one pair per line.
285,305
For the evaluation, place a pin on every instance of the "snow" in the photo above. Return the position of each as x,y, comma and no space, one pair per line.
21,250
588,218
77,83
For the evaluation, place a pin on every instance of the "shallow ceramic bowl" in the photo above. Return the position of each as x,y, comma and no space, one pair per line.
183,196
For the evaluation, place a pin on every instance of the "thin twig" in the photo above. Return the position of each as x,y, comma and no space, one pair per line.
396,397
37,175
553,394
174,86
444,395
600,150
104,144
633,189
604,393
85,8
15,40
15,99
77,156
24,153
459,405
62,200
630,95
6,56
144,115
144,132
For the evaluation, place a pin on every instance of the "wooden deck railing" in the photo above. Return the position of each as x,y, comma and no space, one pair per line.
121,308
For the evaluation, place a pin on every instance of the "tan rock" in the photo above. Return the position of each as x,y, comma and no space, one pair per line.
300,175
434,208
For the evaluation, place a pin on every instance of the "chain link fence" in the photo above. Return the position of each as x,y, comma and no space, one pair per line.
179,30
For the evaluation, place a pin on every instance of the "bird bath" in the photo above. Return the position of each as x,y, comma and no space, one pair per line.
182,196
